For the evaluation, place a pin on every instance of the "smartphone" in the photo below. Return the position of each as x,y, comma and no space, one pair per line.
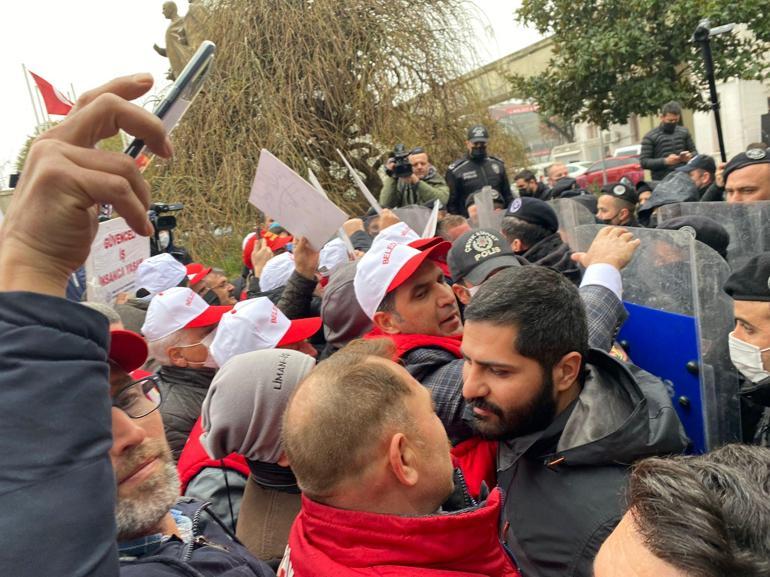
182,93
173,106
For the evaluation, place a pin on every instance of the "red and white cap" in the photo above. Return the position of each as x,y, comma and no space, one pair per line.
127,350
159,272
196,272
179,308
257,324
388,265
399,232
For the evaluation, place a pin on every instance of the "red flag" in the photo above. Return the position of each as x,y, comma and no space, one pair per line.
55,101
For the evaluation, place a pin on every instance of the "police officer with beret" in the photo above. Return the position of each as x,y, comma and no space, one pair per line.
747,176
617,204
749,342
475,171
531,227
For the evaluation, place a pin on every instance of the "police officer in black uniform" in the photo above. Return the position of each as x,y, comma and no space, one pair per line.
475,171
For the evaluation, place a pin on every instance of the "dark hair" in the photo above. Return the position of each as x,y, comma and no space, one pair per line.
388,303
708,515
449,221
542,304
527,175
672,107
529,234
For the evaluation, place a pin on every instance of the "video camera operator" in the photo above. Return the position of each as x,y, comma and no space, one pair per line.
162,239
410,178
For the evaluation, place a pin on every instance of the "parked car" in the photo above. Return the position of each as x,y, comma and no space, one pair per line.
631,150
617,168
575,169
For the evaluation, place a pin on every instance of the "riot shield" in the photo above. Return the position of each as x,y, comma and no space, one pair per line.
679,320
416,216
746,224
571,214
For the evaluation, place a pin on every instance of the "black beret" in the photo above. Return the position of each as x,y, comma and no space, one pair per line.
752,282
622,191
534,211
751,156
706,230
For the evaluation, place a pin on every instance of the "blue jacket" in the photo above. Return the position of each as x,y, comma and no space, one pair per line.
57,489
212,552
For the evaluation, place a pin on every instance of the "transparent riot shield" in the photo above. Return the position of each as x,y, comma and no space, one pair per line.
679,320
746,223
415,216
571,214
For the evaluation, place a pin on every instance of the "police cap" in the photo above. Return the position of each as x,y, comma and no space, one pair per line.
752,282
744,159
534,211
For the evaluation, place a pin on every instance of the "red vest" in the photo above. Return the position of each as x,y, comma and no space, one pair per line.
329,541
194,459
476,457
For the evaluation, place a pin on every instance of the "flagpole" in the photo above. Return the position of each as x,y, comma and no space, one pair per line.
31,98
73,96
42,106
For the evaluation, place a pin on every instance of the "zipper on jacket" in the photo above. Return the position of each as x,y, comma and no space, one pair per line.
195,528
554,463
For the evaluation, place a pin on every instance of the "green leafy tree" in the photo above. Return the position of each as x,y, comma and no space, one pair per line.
613,58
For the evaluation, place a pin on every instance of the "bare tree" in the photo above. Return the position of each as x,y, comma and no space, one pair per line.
304,77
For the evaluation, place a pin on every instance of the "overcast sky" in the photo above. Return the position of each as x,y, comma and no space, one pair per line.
83,43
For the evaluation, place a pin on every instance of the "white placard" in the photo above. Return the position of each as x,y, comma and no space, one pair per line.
115,255
285,196
430,227
361,186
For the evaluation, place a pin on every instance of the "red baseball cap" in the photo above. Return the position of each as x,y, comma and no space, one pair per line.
435,251
300,330
127,349
388,264
196,272
179,308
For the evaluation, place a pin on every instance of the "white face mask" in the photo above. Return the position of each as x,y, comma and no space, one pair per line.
209,363
747,358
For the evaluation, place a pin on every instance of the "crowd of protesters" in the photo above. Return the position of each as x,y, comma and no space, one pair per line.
450,405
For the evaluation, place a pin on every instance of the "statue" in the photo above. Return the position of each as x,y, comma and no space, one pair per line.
196,24
177,50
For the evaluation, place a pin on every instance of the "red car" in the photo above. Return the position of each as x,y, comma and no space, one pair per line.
617,168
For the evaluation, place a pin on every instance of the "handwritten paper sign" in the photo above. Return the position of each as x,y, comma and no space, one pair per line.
115,255
282,194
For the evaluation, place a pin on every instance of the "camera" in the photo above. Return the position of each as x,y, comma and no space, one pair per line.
164,225
402,168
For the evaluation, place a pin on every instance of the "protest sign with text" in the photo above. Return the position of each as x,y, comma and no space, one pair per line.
115,255
282,194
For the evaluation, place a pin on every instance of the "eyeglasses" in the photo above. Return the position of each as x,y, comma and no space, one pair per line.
140,398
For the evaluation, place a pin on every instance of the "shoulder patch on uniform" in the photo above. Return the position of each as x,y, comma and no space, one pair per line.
457,163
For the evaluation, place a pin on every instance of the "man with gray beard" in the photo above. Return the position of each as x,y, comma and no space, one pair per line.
158,532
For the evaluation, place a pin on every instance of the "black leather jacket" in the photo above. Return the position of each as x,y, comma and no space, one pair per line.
466,176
